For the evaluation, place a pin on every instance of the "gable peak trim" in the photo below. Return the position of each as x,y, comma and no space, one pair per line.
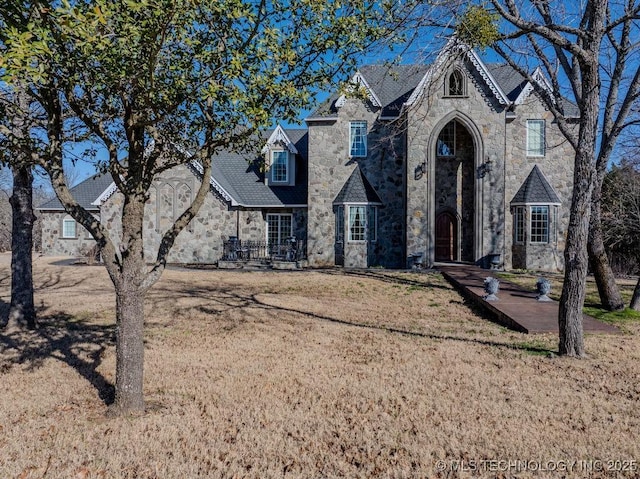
540,79
455,46
280,136
359,81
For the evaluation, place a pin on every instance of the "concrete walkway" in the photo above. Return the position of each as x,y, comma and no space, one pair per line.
517,307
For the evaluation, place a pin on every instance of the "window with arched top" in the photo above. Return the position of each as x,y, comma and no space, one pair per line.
455,84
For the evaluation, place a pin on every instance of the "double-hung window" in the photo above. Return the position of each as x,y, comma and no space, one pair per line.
539,224
68,228
357,223
535,138
280,166
358,139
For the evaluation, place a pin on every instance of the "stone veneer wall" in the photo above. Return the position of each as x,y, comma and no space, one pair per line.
202,240
483,117
329,169
53,244
557,166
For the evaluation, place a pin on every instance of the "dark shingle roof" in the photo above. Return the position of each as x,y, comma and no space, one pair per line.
509,80
240,176
85,193
535,189
394,85
357,189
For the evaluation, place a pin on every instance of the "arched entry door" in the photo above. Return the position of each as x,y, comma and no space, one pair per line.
446,237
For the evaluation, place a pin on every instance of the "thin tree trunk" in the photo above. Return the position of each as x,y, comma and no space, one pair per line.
635,299
22,310
610,296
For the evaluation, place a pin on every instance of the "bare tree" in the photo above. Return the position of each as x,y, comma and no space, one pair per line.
621,219
589,47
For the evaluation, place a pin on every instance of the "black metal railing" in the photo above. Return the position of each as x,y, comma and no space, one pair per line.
235,249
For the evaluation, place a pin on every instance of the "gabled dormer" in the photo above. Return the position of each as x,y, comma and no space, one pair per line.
280,159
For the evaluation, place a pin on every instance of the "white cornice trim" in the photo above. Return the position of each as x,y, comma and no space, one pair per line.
359,80
105,195
540,80
216,186
279,136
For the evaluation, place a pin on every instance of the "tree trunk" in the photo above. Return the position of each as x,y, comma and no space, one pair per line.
22,311
130,296
635,299
129,349
610,296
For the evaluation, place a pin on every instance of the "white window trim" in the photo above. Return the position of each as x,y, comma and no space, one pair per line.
75,228
348,218
287,166
548,225
543,133
366,146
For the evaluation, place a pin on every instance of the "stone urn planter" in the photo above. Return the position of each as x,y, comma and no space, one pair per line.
491,286
543,286
494,260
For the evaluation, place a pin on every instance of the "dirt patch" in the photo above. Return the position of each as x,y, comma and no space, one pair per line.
304,375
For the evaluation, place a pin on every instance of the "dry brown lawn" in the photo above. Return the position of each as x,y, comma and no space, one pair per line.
319,374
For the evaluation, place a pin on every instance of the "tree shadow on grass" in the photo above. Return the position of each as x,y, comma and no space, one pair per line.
76,342
222,300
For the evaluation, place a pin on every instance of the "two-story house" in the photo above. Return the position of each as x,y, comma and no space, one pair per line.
454,161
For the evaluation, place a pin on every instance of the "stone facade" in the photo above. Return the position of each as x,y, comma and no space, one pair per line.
438,180
202,241
469,188
329,168
53,242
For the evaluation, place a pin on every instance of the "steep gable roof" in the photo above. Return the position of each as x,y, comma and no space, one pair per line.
85,193
535,189
357,189
393,87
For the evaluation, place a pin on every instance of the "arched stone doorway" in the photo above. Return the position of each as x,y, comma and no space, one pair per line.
454,211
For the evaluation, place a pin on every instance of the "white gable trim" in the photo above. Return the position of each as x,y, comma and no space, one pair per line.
540,80
105,195
216,186
279,136
359,80
454,46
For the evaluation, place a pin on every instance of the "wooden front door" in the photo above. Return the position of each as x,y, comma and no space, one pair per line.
446,237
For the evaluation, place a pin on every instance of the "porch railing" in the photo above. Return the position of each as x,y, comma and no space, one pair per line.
238,250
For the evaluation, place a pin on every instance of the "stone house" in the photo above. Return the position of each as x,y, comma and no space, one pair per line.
454,161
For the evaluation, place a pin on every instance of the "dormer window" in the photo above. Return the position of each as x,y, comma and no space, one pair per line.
455,84
280,167
280,159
